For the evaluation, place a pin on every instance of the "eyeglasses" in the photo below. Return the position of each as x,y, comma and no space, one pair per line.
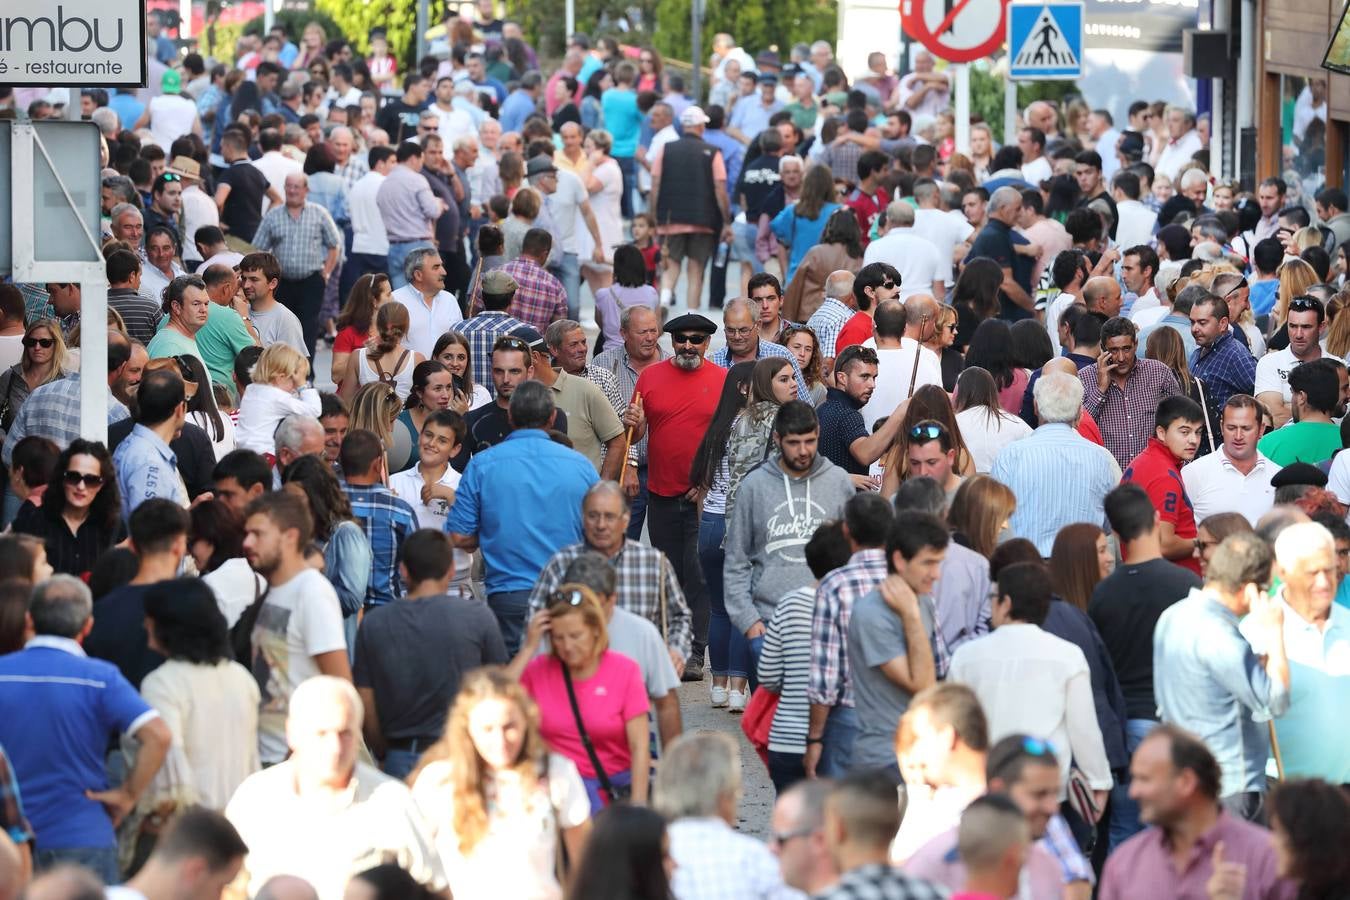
1036,746
573,597
951,328
44,343
927,431
697,337
783,837
89,481
1242,283
510,343
739,332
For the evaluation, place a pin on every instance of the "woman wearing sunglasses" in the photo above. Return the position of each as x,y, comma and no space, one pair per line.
584,688
81,514
43,360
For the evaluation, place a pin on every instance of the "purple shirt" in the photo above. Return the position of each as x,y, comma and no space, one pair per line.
1143,866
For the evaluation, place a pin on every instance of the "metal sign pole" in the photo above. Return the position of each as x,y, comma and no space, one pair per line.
962,71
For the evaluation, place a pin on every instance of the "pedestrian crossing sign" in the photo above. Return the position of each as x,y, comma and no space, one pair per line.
1045,40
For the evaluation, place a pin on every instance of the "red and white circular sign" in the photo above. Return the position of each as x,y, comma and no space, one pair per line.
955,30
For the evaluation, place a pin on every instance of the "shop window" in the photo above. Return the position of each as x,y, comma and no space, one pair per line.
1303,136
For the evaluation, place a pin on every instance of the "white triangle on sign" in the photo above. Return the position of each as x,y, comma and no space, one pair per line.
1046,47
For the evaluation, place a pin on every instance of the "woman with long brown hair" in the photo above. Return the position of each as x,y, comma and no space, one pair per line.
386,358
840,247
980,512
800,225
1165,345
356,322
496,799
805,347
1338,328
1080,559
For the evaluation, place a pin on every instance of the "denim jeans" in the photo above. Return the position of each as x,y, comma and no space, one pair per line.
398,252
596,795
836,752
728,650
568,271
637,512
1125,811
672,525
627,168
511,608
400,763
349,628
785,770
102,861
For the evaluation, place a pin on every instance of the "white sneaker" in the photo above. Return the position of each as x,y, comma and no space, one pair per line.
736,701
719,696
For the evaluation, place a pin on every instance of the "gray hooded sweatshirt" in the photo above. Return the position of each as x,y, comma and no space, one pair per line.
775,515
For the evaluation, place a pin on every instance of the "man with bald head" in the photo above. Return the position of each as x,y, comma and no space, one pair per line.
915,257
1101,294
228,327
1041,114
901,329
834,313
740,321
286,887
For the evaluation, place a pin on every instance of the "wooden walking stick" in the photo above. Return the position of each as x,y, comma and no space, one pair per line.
628,443
914,373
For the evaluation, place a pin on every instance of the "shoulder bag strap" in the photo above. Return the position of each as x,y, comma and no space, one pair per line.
1204,405
600,773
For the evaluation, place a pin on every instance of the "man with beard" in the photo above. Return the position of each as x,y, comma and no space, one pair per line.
679,397
298,623
848,442
778,507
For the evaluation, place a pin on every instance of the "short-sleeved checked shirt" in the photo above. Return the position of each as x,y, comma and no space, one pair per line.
300,243
53,411
1226,367
353,171
540,299
829,683
827,321
12,819
881,882
1126,417
482,331
767,350
640,570
616,361
387,521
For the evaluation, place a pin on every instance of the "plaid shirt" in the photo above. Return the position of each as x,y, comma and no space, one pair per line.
353,171
881,882
540,299
1125,417
827,321
640,569
1226,367
482,331
829,684
53,411
387,521
37,303
766,350
301,243
713,861
616,361
12,819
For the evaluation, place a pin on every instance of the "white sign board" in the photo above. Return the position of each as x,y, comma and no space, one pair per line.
88,43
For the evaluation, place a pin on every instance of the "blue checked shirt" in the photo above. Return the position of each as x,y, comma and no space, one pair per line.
827,322
482,331
388,521
1227,368
767,349
829,684
616,361
53,411
301,243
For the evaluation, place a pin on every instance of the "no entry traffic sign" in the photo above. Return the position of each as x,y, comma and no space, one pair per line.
955,30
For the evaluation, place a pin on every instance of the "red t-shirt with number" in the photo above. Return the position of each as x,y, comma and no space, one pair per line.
1157,471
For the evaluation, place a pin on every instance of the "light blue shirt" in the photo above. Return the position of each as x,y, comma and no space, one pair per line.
522,498
147,467
518,107
733,155
767,349
1178,323
1208,680
750,116
623,120
1059,477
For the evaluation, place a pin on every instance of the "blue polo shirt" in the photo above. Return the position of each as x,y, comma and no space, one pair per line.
57,710
522,498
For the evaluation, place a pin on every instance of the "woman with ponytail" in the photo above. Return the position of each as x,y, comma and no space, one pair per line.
385,357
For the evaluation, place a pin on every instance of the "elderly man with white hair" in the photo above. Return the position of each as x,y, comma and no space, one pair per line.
698,790
1058,476
1312,733
322,815
998,241
126,223
834,312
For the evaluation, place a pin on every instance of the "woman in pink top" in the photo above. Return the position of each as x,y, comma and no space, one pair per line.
610,694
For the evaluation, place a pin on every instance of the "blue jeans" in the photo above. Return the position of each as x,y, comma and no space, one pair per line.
568,271
1124,811
728,650
102,861
349,627
597,796
743,245
836,752
400,763
398,252
511,608
628,169
637,512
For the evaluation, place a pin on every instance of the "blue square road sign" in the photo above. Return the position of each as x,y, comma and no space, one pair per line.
1045,40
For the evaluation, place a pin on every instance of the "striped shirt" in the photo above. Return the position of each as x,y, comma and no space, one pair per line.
1058,477
785,667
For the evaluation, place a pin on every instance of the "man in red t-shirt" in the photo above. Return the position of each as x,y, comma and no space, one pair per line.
869,198
679,397
874,283
1179,422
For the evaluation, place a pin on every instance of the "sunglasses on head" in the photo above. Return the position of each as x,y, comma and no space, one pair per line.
170,176
89,481
44,343
928,431
573,597
511,343
1305,304
185,369
696,337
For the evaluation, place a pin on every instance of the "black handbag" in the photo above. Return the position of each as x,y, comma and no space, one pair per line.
241,633
616,793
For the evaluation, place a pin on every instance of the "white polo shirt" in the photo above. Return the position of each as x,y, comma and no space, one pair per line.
1215,486
427,323
1272,372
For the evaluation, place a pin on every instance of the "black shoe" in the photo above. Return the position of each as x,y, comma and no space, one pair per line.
693,669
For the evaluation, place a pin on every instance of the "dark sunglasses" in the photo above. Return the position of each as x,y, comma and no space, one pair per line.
928,431
1305,304
888,284
695,338
170,176
511,343
573,597
44,343
90,481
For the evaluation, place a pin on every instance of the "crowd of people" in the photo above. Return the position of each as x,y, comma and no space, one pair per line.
1004,512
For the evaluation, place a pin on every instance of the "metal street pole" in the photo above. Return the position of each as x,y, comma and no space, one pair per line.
696,82
269,14
570,18
423,14
962,107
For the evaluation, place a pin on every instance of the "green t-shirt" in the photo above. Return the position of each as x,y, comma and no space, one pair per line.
219,342
1309,442
804,117
170,342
